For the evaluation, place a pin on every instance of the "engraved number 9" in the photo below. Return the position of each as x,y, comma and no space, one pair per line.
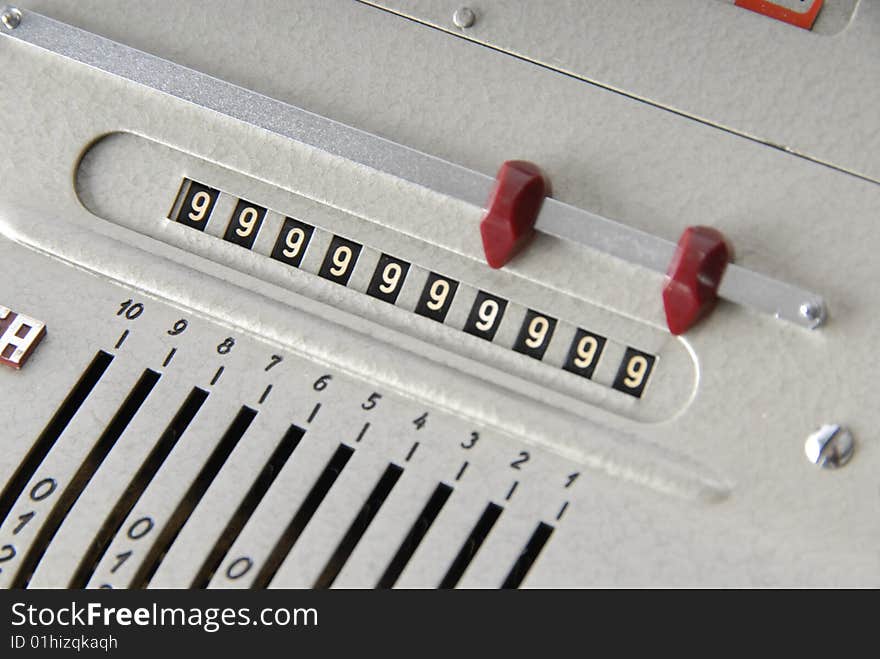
390,277
294,241
247,220
636,370
200,202
487,314
586,352
537,331
341,259
438,294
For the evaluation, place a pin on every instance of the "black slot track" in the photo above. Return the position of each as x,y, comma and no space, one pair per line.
40,449
139,482
359,526
415,536
471,545
528,556
193,496
79,393
248,505
303,516
84,474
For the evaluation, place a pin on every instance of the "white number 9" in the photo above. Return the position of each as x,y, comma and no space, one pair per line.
200,202
487,313
537,331
586,351
438,294
636,370
294,241
390,277
247,220
341,259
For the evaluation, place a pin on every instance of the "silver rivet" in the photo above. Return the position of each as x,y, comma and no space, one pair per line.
10,17
830,447
812,311
464,17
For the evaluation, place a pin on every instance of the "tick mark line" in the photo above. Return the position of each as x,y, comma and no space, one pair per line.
314,413
512,490
411,452
169,357
121,340
461,471
217,375
363,432
265,394
561,511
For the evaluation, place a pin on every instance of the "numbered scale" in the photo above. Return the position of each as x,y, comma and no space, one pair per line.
222,461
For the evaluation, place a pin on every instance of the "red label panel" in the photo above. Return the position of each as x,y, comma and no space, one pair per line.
804,19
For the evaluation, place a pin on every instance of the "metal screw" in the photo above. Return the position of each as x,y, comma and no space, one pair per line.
11,17
813,311
464,17
830,447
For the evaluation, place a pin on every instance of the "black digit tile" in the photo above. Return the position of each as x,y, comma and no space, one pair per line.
634,371
244,225
436,297
340,259
485,315
293,241
388,278
535,334
197,205
584,353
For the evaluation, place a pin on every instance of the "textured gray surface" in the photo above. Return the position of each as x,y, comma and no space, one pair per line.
747,508
807,92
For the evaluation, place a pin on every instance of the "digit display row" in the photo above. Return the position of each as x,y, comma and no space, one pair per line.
194,207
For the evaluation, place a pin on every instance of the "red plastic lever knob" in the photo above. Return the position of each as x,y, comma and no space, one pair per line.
513,207
693,277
